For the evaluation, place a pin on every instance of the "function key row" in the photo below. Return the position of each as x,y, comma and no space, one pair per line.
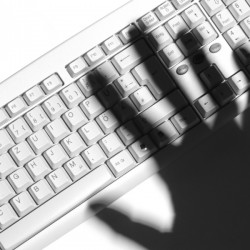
96,54
115,42
182,35
160,13
30,97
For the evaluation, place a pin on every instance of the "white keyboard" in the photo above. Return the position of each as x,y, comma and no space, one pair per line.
115,103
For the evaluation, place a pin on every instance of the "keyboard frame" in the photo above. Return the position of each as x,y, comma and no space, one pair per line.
58,59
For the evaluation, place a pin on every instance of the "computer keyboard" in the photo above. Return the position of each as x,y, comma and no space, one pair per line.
136,89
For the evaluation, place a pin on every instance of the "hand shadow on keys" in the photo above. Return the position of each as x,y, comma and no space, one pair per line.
211,204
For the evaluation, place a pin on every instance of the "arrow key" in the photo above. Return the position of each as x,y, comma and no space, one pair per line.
235,37
206,105
239,82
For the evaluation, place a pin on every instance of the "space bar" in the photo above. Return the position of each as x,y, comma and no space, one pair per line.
56,208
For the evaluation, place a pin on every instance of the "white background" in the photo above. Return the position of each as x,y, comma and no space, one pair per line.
30,28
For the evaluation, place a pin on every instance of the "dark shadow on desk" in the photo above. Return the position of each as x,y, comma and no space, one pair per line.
211,201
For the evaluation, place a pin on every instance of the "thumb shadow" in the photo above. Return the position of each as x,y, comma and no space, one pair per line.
211,202
120,223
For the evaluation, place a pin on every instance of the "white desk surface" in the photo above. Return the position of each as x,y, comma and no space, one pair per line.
205,194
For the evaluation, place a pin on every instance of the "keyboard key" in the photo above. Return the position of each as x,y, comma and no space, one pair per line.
153,74
6,192
164,10
22,153
171,55
108,121
228,2
77,67
148,21
142,149
212,7
20,180
160,111
3,116
59,180
131,56
94,156
72,95
160,38
76,168
7,216
39,141
223,94
33,95
239,82
52,83
91,133
180,3
164,134
176,27
235,37
126,84
56,156
38,168
188,44
54,107
193,16
16,106
245,25
75,118
211,76
129,33
243,52
23,204
111,144
109,96
19,130
111,44
142,98
41,192
205,33
94,55
57,130
88,84
224,20
92,183
36,118
5,141
128,133
73,144
206,105
106,73
7,165
185,119
121,163
240,10
92,107
125,110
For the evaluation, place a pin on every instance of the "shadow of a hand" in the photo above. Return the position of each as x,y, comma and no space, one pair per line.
210,200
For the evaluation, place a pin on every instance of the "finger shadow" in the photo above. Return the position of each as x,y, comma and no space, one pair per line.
210,200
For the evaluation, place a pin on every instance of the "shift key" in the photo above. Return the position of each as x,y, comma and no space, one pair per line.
162,110
131,56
